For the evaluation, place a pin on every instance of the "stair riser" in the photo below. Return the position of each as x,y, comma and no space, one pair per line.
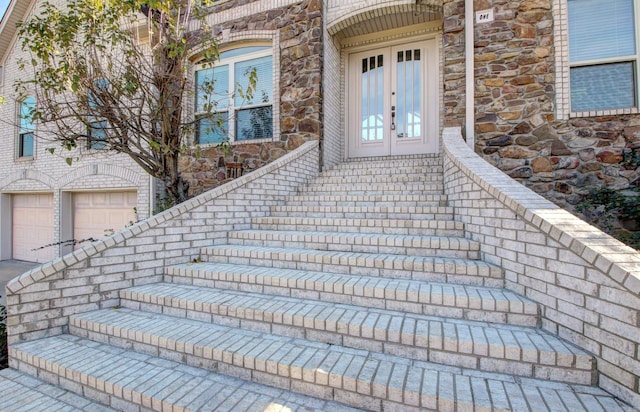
387,164
476,306
257,366
361,229
328,202
135,382
435,341
443,273
364,215
391,177
369,190
321,244
401,174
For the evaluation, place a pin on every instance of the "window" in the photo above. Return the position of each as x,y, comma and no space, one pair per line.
236,116
26,132
97,139
603,54
96,135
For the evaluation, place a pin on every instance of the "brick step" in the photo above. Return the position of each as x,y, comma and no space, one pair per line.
391,177
388,200
489,347
382,162
129,380
423,268
398,171
441,246
366,212
355,377
373,189
428,298
386,226
24,393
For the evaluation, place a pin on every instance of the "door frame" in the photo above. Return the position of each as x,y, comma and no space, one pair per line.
431,87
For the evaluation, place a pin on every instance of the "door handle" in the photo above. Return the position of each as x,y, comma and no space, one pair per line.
393,118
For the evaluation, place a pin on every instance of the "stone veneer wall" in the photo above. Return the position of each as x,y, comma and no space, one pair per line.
517,126
587,283
40,301
299,30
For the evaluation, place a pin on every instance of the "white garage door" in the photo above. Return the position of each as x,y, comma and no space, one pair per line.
33,227
98,214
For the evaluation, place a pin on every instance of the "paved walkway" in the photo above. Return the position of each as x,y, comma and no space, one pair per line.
10,269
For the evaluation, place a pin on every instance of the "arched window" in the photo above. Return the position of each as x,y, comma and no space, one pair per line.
220,89
27,129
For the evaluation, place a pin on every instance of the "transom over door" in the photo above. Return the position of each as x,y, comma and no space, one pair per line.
393,100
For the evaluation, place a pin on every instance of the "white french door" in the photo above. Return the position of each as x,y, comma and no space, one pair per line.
392,100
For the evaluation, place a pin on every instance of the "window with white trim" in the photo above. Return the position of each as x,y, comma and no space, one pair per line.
602,54
26,131
220,90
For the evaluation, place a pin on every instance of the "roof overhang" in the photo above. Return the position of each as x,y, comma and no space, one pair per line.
15,13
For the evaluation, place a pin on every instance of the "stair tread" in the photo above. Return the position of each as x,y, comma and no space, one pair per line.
24,393
425,245
158,383
455,295
442,242
432,268
499,341
378,376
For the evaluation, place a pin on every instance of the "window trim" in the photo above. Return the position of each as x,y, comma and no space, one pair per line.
22,132
564,66
270,50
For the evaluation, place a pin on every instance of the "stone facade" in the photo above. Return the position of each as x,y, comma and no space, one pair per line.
296,31
520,124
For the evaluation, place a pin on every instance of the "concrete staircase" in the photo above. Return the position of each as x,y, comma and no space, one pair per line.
362,292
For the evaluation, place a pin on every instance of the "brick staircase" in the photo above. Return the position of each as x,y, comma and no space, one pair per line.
360,291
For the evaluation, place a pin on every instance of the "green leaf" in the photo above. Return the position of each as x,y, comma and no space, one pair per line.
68,160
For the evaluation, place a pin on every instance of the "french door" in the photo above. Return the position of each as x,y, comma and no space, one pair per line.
392,100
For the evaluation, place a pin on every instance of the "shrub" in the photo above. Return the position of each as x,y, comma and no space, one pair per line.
616,212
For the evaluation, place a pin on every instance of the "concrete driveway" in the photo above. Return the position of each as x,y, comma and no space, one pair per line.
10,269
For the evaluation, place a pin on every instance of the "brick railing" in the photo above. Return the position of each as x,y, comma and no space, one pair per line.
40,301
586,282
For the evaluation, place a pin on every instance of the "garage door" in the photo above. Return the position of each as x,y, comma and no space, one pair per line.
33,227
97,214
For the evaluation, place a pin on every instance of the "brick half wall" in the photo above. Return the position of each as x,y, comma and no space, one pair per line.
586,282
40,301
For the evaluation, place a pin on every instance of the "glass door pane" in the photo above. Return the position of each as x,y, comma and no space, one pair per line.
409,96
372,113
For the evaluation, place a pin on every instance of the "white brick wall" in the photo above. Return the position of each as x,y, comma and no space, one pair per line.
587,283
40,301
333,109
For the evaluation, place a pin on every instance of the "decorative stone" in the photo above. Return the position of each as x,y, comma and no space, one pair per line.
526,140
521,128
521,173
510,164
514,152
559,149
590,167
562,187
607,156
587,154
500,141
579,142
510,115
541,164
568,163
